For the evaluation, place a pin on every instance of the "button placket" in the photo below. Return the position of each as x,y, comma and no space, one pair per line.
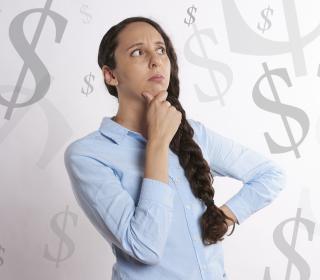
175,180
196,238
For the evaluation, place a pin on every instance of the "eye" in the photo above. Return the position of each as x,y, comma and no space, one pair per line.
164,51
134,51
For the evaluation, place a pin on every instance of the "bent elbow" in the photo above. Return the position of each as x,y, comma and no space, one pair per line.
144,250
280,176
147,256
275,181
151,259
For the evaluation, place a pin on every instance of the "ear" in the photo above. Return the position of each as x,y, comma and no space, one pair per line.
108,76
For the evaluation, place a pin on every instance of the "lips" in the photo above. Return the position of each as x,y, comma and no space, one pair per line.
156,77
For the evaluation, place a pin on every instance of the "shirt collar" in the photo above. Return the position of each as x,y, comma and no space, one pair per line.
116,131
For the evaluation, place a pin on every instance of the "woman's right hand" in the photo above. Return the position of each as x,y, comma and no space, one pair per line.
163,119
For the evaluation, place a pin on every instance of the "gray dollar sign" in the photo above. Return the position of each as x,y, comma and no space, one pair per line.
59,131
280,108
64,238
1,259
30,58
89,88
191,18
207,63
288,249
87,15
242,38
267,22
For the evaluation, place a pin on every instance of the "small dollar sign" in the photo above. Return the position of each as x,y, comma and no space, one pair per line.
288,249
211,65
86,14
244,40
60,231
267,22
1,259
282,109
27,53
191,18
87,80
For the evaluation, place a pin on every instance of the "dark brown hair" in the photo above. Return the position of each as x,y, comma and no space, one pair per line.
213,221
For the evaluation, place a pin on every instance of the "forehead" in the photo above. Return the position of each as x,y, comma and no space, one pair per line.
136,32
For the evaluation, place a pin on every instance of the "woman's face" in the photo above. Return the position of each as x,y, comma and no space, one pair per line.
135,64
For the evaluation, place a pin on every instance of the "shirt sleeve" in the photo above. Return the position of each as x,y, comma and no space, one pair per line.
140,231
262,177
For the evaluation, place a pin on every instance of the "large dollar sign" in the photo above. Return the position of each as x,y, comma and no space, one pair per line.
288,249
267,22
27,52
282,109
87,80
191,18
211,65
60,231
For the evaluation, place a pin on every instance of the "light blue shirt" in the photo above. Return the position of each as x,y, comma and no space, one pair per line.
152,226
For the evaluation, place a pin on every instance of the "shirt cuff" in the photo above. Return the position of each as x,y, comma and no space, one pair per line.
239,207
157,191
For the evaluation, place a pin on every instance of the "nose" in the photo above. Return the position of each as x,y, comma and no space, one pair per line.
155,60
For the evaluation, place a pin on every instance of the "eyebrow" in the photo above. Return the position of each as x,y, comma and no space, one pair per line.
139,44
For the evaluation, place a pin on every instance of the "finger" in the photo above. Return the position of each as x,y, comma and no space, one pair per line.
162,96
167,103
147,96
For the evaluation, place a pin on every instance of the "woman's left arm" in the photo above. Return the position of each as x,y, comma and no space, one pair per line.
262,177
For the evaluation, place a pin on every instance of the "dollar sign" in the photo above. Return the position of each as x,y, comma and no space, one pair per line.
1,259
191,18
243,39
306,205
27,53
282,109
211,65
88,16
87,79
265,14
64,239
59,131
289,249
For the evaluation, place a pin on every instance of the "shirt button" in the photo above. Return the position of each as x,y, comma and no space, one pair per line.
204,267
188,206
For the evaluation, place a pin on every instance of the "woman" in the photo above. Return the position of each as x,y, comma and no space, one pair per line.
144,179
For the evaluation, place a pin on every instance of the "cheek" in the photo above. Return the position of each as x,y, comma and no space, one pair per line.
168,64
